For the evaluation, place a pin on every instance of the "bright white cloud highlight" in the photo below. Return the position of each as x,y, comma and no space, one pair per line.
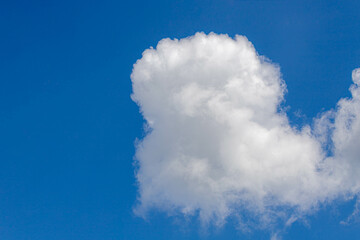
218,144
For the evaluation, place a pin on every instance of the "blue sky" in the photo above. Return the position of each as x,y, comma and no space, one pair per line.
68,124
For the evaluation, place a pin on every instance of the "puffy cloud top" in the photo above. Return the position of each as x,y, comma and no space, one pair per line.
218,144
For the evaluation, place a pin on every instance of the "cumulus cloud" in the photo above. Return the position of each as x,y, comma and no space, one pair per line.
218,144
342,127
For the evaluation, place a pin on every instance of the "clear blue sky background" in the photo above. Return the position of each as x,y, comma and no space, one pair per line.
68,125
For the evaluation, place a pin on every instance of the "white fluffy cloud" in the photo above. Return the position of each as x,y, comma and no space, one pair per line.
343,126
217,143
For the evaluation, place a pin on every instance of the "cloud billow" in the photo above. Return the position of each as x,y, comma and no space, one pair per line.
218,144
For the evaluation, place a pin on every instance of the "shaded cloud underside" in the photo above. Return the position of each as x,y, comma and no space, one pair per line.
219,145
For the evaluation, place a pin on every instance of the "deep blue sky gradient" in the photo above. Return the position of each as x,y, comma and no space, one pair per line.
68,125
